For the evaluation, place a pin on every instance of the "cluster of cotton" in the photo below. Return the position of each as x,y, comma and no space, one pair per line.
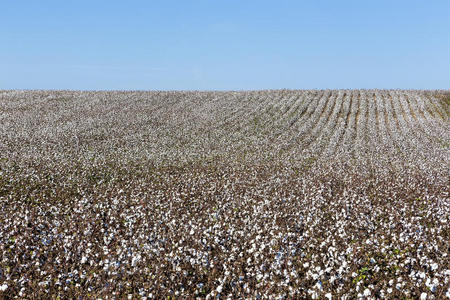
268,194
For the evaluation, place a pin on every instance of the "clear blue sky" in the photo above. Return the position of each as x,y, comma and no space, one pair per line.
225,45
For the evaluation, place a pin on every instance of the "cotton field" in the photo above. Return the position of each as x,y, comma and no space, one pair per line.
319,194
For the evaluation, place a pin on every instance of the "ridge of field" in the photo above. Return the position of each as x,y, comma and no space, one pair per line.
260,194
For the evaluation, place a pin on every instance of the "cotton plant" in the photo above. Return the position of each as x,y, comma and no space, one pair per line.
267,194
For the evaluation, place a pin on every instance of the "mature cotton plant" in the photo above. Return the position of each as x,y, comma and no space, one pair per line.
266,194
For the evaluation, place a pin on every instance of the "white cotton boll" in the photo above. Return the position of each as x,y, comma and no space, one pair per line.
433,288
423,296
314,295
434,266
367,292
328,296
3,287
135,260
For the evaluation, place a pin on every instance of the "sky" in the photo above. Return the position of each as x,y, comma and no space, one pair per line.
224,45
